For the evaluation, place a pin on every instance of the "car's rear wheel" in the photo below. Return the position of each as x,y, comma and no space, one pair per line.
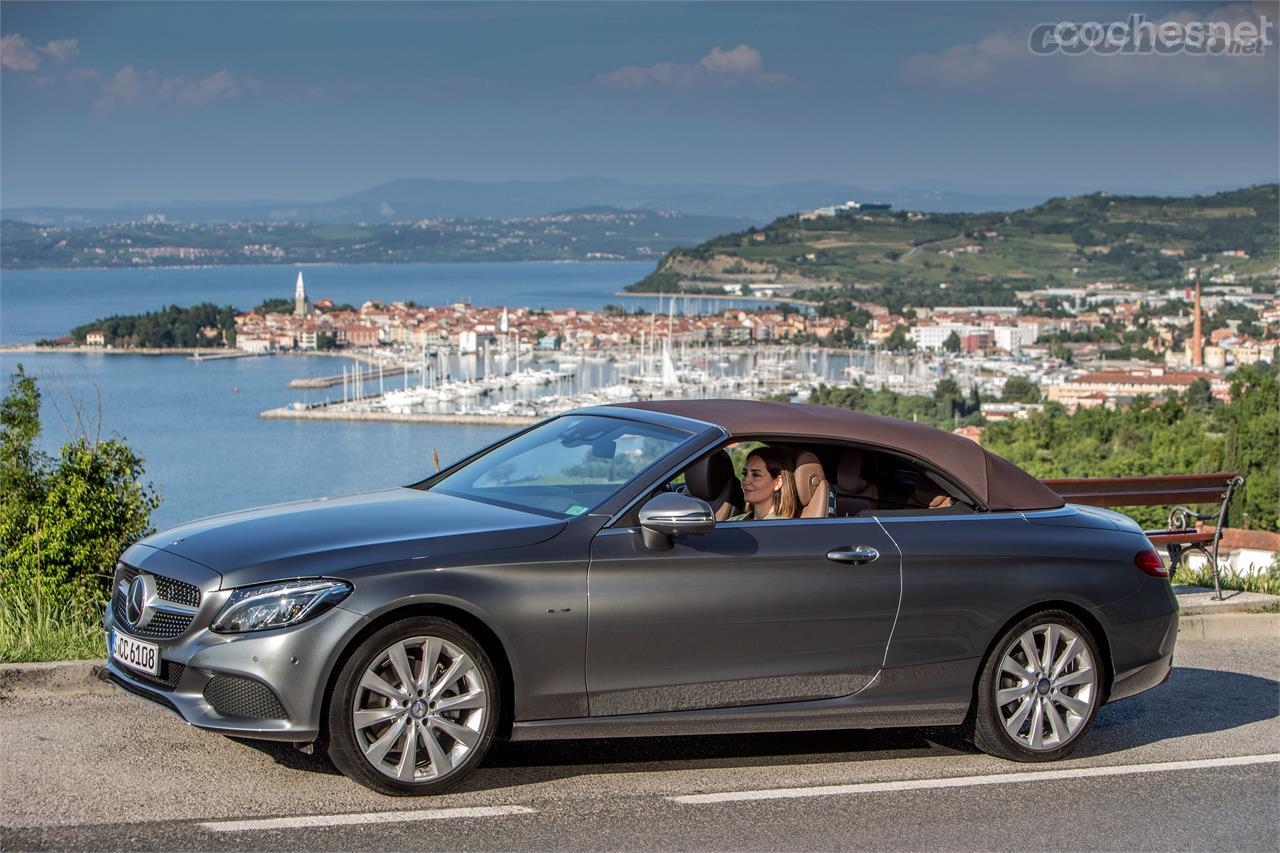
414,708
1039,690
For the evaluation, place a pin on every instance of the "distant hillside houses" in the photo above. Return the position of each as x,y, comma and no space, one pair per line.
982,329
1111,388
848,206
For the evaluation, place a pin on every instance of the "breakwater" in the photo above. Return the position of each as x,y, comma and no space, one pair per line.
324,413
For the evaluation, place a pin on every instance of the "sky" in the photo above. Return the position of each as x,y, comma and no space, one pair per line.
107,103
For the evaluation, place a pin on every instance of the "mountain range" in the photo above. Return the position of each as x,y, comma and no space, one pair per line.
429,198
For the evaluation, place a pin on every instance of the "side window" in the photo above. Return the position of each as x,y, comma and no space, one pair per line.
874,482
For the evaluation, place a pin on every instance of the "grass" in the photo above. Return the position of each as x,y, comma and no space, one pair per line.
32,628
1266,581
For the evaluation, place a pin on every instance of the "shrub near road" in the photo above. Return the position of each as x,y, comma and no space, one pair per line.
63,523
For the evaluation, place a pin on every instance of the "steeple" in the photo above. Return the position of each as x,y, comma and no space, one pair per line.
300,304
1197,335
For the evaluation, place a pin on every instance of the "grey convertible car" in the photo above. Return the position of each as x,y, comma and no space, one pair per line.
580,579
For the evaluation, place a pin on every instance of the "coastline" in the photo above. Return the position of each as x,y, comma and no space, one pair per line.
220,352
311,264
728,297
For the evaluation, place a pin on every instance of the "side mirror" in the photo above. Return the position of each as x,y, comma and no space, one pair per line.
668,514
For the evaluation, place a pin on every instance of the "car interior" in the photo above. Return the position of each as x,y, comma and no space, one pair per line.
832,480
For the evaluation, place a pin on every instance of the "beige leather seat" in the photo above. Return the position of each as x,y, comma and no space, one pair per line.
854,492
928,494
711,479
811,486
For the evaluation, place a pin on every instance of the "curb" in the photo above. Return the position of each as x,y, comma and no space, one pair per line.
1229,626
58,678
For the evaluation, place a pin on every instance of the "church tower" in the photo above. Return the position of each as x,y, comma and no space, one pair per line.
1197,335
300,305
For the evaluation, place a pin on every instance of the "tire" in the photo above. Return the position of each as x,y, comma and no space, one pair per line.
1046,710
394,730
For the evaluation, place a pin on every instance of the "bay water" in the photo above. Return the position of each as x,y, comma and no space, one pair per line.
196,424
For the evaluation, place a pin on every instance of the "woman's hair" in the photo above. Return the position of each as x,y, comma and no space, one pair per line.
778,462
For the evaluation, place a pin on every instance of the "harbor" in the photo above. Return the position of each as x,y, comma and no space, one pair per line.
509,384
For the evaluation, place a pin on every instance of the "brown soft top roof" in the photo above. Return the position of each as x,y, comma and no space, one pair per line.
995,481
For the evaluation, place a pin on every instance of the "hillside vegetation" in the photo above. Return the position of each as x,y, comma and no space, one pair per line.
954,259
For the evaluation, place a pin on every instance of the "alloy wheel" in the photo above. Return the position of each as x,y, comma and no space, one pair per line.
420,709
1046,687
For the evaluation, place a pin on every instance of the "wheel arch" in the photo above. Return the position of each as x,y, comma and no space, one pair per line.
464,619
1087,618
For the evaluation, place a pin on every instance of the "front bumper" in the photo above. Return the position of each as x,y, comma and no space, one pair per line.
292,665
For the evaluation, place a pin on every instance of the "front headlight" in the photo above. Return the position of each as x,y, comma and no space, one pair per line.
257,608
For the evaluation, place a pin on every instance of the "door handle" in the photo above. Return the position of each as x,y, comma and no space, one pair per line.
856,555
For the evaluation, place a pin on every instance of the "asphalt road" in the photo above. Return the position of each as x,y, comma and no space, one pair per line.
1194,764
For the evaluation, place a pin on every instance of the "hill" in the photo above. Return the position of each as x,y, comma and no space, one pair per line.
594,234
970,258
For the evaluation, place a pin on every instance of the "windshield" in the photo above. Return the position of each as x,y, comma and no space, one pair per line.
566,467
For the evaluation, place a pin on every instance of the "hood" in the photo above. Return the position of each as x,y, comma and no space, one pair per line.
333,535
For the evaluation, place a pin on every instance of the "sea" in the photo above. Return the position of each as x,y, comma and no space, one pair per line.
196,424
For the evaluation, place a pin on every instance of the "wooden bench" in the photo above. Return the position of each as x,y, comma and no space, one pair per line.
1181,535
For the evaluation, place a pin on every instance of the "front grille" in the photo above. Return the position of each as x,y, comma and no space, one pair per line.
179,592
163,626
243,697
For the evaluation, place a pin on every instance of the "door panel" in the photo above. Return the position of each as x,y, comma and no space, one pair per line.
965,575
750,613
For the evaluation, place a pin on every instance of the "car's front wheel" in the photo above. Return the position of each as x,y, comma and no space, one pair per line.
1039,690
414,708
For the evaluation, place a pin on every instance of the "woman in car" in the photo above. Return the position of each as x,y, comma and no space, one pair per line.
769,486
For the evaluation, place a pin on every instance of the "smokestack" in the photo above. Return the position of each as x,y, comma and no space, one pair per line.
1197,344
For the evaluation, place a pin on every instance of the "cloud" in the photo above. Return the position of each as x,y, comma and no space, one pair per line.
128,87
742,64
1002,62
62,50
17,53
743,59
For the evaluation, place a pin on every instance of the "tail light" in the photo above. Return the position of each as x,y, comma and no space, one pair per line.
1149,561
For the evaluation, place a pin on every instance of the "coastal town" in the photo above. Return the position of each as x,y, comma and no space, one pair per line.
483,362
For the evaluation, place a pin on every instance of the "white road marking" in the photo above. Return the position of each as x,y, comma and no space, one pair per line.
970,781
312,821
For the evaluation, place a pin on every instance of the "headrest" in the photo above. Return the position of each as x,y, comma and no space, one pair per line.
849,474
707,477
809,476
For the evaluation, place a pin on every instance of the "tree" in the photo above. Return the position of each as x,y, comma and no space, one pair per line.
952,343
948,401
19,429
1019,389
1199,396
898,340
66,521
1061,352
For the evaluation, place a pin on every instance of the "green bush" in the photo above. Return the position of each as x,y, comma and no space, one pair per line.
1266,581
63,524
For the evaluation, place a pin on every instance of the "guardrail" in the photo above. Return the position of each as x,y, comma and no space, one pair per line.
1181,536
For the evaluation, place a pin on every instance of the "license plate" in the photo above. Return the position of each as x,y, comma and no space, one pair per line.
135,653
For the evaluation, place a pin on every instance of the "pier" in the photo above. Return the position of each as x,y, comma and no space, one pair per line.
328,413
199,355
329,381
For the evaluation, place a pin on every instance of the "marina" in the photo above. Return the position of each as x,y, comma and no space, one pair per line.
509,384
